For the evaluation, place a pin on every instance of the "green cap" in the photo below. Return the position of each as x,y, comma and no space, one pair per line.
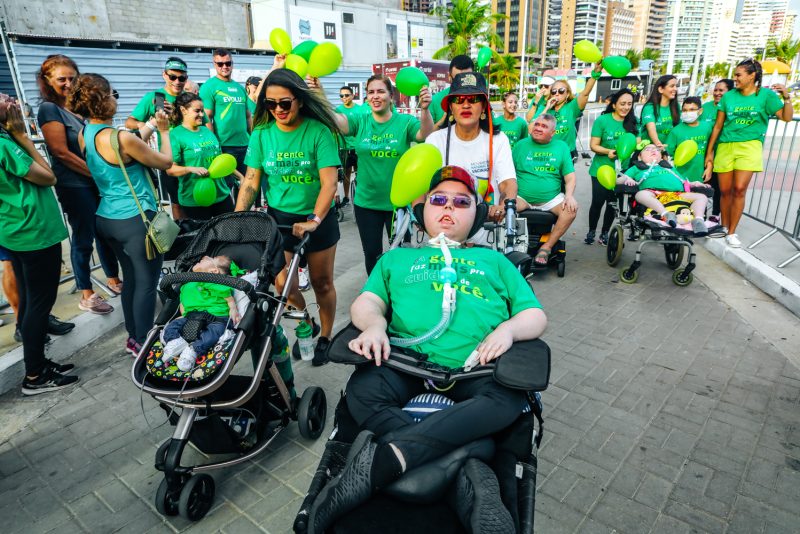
175,64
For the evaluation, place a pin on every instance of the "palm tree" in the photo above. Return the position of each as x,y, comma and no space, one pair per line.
504,72
652,54
634,56
785,50
468,21
678,68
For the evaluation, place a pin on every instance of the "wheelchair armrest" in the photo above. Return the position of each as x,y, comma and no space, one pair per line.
707,191
622,189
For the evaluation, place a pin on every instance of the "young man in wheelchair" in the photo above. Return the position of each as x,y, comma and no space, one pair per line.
543,165
403,298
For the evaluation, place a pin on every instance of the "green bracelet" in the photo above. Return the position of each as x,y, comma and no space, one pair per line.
596,75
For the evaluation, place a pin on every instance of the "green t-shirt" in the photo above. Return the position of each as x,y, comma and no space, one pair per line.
663,123
436,105
489,290
514,129
195,149
692,171
379,146
746,117
355,109
565,122
202,296
291,161
228,102
251,106
29,214
541,169
656,177
609,130
709,114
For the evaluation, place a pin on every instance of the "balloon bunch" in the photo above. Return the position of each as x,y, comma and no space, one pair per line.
616,66
308,57
205,191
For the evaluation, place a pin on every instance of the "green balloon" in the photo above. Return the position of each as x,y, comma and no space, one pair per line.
222,166
484,56
410,80
685,152
626,144
296,64
204,192
413,173
587,51
617,66
304,49
324,60
280,41
607,176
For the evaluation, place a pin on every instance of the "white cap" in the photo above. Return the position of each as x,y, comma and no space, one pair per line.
546,80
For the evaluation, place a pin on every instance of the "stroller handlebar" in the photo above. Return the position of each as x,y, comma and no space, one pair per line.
169,281
303,241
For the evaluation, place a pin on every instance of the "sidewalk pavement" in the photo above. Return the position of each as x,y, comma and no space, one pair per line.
670,410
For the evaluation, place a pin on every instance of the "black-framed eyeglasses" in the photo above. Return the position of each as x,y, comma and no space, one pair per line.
558,91
179,77
459,201
115,94
223,63
472,99
284,103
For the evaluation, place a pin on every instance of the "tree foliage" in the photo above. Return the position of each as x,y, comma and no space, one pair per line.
504,72
468,22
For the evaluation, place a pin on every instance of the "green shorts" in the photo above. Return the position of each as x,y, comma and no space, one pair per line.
739,156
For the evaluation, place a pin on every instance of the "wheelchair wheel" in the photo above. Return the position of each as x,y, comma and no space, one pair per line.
674,255
616,242
682,278
197,496
311,412
562,267
628,277
166,504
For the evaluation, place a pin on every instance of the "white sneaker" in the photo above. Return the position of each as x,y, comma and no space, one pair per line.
173,348
302,277
733,241
187,359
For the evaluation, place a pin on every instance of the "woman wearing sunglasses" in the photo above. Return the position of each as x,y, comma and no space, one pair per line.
469,140
567,108
119,219
295,142
661,114
380,137
193,149
75,188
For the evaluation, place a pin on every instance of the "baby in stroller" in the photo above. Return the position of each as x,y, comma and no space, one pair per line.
207,311
660,184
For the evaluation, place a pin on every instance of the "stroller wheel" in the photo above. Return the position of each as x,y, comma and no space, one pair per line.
682,278
562,267
166,504
197,496
311,412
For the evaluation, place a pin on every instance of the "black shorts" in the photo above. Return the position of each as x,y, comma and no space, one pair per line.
324,237
351,160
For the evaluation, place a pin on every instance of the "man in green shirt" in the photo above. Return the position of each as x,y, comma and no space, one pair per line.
692,127
542,165
225,103
458,64
495,307
349,108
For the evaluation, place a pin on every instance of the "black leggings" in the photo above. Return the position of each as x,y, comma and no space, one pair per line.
126,237
714,182
38,273
600,196
370,225
376,395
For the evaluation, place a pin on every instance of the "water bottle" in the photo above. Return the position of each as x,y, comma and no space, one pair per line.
305,341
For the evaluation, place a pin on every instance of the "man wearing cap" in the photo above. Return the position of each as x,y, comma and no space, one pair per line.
495,307
543,165
458,64
142,117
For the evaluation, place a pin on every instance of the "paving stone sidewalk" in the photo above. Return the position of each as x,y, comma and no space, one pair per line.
667,413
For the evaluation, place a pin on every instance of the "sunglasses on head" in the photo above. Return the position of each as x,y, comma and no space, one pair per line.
558,91
285,104
223,63
440,199
472,99
179,77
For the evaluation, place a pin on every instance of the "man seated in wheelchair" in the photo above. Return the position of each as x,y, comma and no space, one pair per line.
661,186
452,304
543,166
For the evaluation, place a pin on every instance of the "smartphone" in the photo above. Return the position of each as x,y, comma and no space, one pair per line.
158,101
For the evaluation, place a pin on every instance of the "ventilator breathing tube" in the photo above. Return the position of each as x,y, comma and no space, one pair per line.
447,275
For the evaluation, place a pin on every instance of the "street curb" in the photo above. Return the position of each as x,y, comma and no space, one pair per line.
767,279
88,327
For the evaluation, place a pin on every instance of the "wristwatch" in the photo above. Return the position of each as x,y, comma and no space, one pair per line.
313,217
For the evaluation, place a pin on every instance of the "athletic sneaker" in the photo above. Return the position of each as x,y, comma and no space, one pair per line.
48,380
475,498
96,304
603,239
669,218
62,368
18,336
132,347
58,328
321,352
589,239
699,227
302,277
733,241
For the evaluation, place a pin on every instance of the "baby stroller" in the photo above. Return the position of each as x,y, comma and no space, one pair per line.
218,412
677,242
416,502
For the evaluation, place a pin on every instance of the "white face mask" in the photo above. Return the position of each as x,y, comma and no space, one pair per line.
689,116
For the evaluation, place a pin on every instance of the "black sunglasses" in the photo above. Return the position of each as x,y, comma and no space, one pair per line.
285,104
180,78
345,95
115,94
223,63
472,99
559,91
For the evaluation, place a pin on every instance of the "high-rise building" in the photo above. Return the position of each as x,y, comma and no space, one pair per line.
569,21
619,29
648,23
757,25
694,23
788,25
420,6
512,30
720,47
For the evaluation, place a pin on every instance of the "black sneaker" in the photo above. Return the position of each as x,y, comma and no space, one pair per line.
321,352
63,368
603,240
589,239
475,497
58,328
48,381
18,337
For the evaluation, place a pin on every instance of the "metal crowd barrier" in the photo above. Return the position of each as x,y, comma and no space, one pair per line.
774,194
